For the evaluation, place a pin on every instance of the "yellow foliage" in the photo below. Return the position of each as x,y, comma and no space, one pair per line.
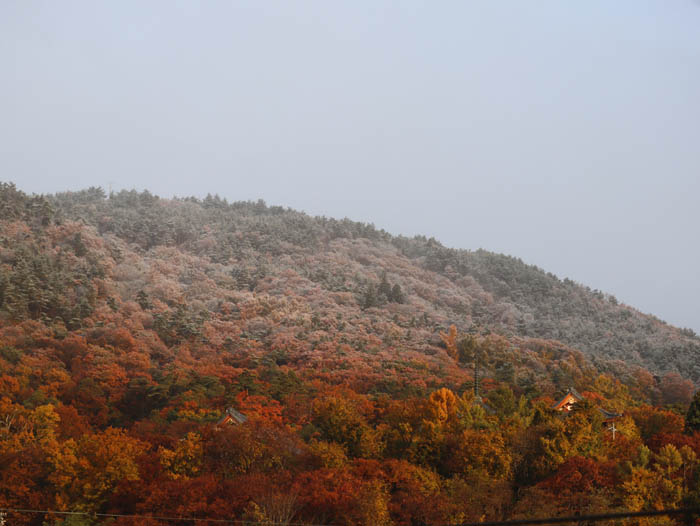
655,486
441,405
185,460
85,471
373,505
450,340
330,454
44,420
482,453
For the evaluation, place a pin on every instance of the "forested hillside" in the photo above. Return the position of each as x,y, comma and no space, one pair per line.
258,245
130,323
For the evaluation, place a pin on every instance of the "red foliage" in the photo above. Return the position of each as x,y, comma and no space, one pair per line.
580,475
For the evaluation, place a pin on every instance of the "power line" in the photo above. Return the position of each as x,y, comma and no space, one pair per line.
158,518
688,513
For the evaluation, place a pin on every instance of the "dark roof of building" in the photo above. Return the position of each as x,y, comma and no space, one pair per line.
234,415
608,415
575,393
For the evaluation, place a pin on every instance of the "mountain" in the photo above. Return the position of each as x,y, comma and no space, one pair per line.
234,361
212,252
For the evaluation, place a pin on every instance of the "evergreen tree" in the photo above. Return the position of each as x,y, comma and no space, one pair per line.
79,245
692,419
384,290
370,297
397,294
143,301
4,286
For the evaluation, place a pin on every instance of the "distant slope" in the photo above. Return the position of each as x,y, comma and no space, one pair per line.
529,302
342,269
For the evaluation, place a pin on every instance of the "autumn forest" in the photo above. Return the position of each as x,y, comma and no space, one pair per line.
198,358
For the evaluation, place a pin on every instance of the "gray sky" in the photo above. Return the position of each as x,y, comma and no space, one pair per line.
564,133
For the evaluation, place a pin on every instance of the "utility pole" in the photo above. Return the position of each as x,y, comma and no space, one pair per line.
613,430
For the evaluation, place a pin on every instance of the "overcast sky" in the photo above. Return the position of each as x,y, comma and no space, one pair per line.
564,133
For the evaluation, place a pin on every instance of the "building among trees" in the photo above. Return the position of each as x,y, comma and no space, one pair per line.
572,397
232,417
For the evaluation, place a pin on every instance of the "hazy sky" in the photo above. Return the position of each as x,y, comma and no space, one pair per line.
565,133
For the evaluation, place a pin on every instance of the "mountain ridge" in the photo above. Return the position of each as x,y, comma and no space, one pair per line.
474,290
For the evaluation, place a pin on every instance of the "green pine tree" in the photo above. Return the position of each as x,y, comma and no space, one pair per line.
384,290
397,294
370,297
692,418
143,301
